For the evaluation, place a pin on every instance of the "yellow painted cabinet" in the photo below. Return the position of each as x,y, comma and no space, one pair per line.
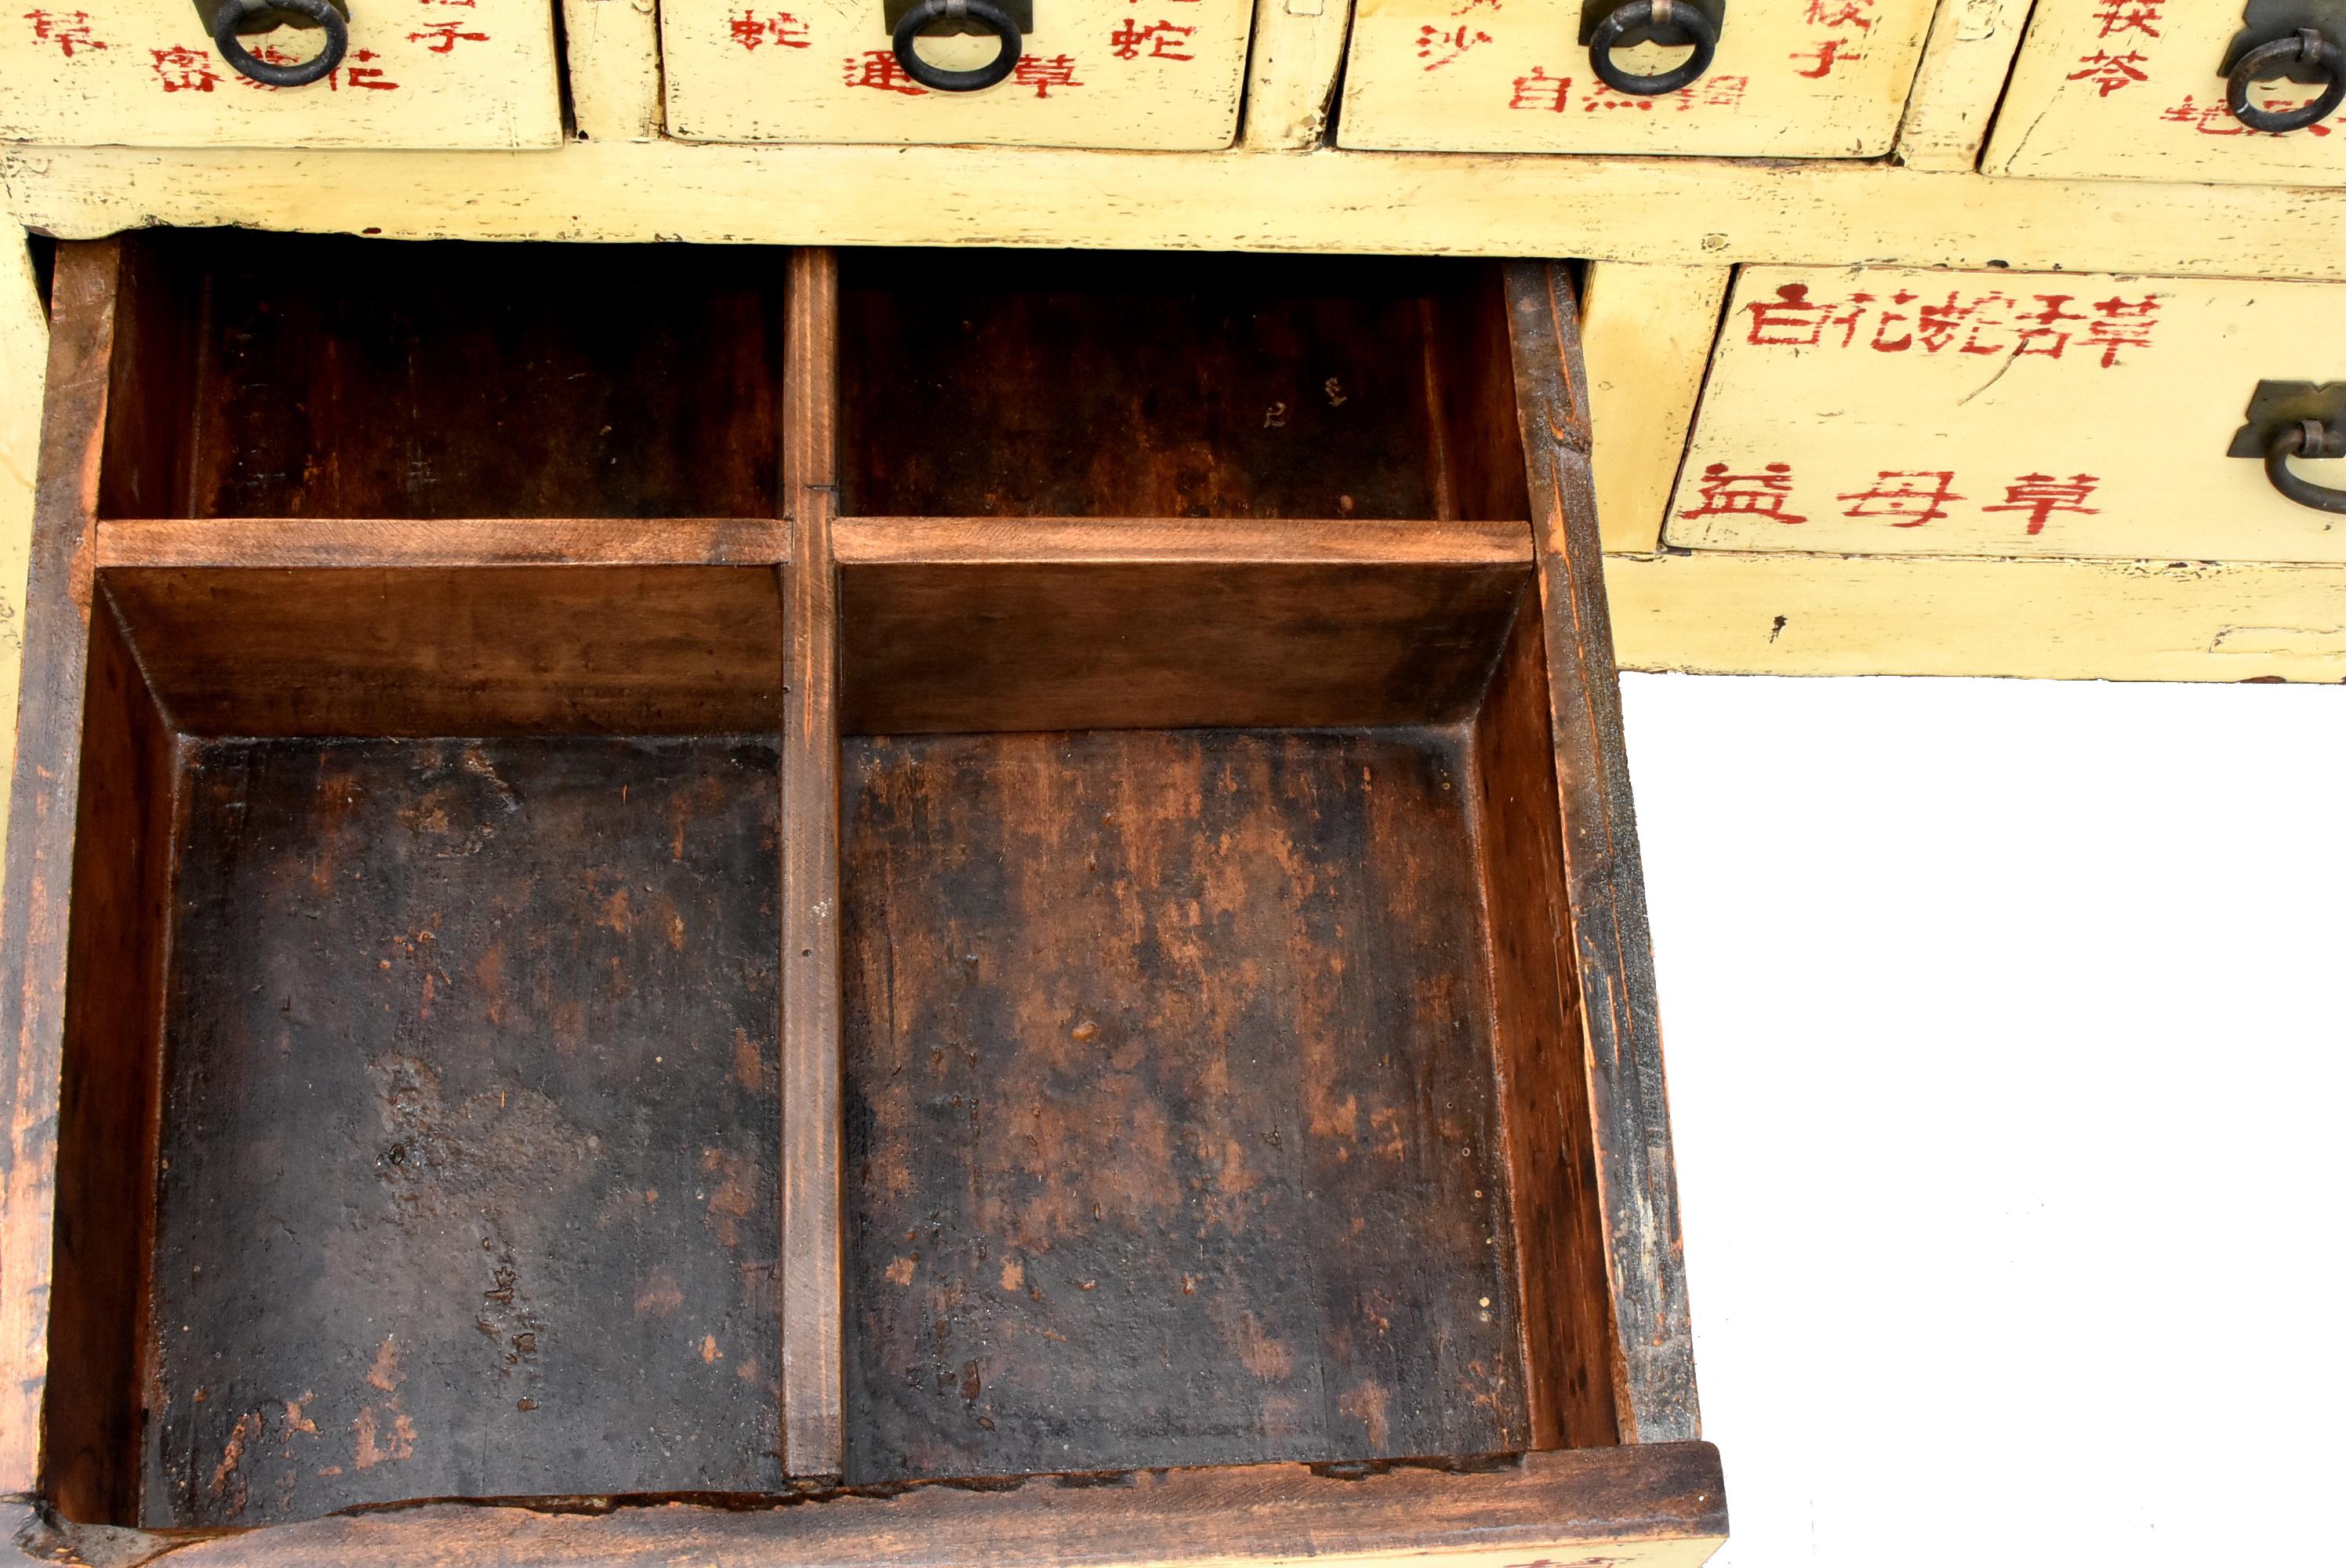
1790,78
1883,411
1146,73
410,74
2137,89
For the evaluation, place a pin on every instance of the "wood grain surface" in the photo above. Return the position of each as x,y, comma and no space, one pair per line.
471,1140
1163,1048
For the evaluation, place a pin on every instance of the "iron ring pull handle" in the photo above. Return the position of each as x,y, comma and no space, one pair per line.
233,15
2308,439
992,17
1664,21
2307,44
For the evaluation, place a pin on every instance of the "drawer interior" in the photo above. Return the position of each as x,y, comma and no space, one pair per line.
1162,1044
1046,383
770,937
338,377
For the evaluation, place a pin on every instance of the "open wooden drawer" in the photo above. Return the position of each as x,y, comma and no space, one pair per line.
867,873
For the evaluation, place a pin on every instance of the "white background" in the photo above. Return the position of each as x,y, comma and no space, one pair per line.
2005,1024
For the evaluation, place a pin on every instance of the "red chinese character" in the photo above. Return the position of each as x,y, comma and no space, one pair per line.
781,28
2041,495
1540,91
2110,71
877,68
67,33
1717,92
267,54
1882,341
2125,325
1907,503
1041,75
2217,119
1165,40
2130,16
1602,97
1432,41
443,36
1726,495
1841,14
366,77
1827,54
1792,321
184,70
2046,337
1936,326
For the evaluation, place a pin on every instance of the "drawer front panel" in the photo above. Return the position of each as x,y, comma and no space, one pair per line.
416,74
1793,78
2137,90
1093,73
1886,412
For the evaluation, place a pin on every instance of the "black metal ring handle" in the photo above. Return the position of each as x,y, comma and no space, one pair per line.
2309,439
1664,21
2306,44
996,20
234,13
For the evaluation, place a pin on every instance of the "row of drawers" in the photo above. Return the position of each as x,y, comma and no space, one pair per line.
2097,87
1890,411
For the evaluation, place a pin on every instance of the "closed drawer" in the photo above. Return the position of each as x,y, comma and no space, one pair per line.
1791,78
146,73
2138,90
820,886
1879,411
1091,73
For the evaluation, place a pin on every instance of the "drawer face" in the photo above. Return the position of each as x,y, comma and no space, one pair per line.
2137,90
1884,411
144,73
1094,73
1793,78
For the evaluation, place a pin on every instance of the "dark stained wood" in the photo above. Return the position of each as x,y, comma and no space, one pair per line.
1615,1507
1052,645
1171,1131
108,1105
1132,541
1039,384
1613,953
470,1146
265,543
813,1352
43,815
423,651
1542,1062
338,377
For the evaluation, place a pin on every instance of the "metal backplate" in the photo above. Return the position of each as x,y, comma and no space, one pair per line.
1593,11
893,12
267,21
2282,405
2272,19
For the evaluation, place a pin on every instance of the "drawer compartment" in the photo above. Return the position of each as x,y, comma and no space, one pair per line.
2140,91
726,1008
146,73
1088,73
1790,78
1874,411
464,1050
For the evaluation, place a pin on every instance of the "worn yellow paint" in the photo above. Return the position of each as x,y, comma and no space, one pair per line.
1964,67
1621,209
1793,78
1299,47
1647,331
2091,96
1722,614
612,50
142,73
24,363
1882,411
823,71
